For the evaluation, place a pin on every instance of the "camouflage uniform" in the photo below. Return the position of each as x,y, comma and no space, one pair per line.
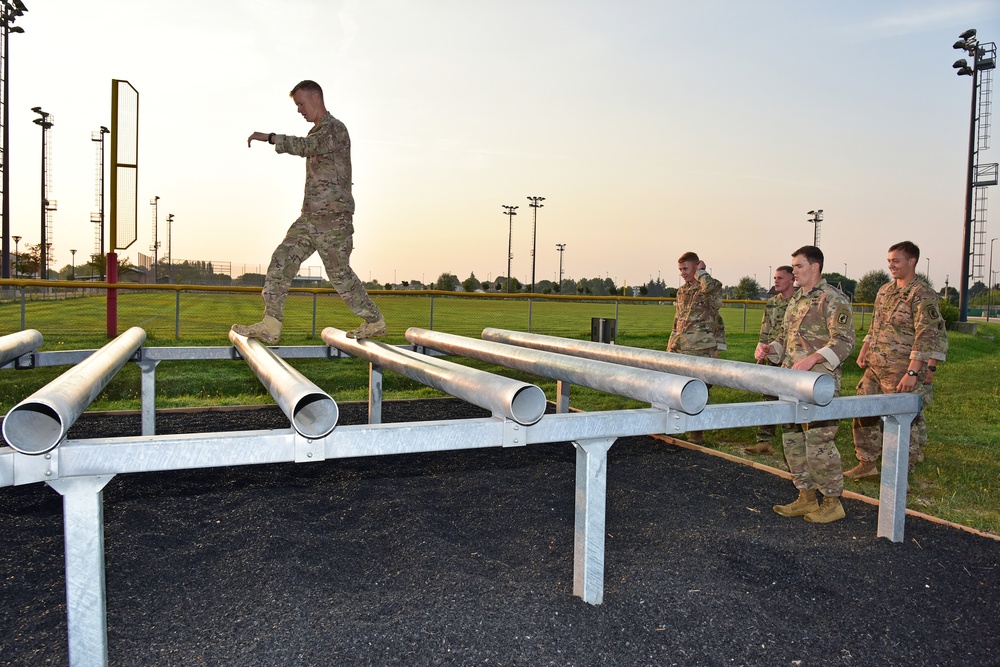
770,323
698,329
906,324
819,320
326,224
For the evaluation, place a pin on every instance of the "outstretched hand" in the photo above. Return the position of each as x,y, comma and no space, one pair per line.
257,136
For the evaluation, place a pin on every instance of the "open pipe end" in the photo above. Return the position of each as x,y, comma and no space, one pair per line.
824,389
694,397
528,405
33,428
315,415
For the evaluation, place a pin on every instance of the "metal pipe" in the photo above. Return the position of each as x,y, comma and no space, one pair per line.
311,410
816,388
673,391
40,422
18,344
518,401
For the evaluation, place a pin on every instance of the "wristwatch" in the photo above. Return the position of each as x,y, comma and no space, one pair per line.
911,373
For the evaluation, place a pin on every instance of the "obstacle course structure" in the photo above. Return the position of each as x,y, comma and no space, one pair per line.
79,469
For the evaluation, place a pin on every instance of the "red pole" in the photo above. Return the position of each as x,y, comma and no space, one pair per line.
112,270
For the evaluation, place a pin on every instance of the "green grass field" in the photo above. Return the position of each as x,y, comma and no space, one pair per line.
959,481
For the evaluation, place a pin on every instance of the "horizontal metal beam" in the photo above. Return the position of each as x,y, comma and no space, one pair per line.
38,423
18,344
651,386
816,388
196,450
518,401
311,410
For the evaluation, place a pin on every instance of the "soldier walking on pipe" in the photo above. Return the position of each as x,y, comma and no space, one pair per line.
326,224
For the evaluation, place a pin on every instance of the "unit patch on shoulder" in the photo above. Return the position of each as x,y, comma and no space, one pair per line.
843,318
932,312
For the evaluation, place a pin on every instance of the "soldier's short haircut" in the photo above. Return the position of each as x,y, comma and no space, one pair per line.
785,268
813,254
689,257
908,248
308,86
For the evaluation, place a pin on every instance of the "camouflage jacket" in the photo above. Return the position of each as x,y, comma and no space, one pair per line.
774,312
906,324
697,324
327,150
819,320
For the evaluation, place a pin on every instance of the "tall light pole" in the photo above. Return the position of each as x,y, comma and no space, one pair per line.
98,218
560,247
17,256
989,283
9,11
46,124
510,212
534,233
156,242
817,217
983,58
72,251
845,269
170,245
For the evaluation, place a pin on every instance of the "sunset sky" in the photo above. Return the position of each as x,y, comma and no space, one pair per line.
650,127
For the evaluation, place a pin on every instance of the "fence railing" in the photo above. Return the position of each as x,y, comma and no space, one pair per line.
180,311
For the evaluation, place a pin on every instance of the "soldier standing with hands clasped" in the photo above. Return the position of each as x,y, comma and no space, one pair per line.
326,225
698,329
817,334
906,340
770,324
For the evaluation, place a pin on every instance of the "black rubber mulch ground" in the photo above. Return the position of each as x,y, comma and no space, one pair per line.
466,558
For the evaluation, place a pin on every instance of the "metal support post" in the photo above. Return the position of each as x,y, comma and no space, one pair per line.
374,394
591,500
86,597
562,396
895,471
148,380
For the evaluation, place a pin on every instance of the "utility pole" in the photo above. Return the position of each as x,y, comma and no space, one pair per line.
534,234
510,212
44,121
9,11
560,247
156,237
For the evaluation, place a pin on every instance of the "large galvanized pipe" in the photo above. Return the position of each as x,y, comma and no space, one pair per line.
40,422
18,344
518,401
673,391
312,412
806,386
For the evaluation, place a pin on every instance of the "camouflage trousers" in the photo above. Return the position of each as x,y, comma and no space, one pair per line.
767,431
868,430
332,237
813,458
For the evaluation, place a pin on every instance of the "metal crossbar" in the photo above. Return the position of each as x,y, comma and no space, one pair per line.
79,469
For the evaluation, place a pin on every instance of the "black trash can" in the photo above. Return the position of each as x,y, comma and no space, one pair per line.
602,329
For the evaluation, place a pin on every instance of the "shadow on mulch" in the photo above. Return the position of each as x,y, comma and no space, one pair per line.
466,558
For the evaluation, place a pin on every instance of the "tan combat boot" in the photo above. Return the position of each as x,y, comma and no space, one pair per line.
759,448
804,504
267,330
830,510
863,469
370,330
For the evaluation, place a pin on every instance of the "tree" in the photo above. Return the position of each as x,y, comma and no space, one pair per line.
447,282
251,280
846,285
869,285
471,284
748,289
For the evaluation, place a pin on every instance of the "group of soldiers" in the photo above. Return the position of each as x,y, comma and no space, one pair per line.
808,325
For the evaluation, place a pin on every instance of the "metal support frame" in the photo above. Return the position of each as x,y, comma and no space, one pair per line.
79,469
